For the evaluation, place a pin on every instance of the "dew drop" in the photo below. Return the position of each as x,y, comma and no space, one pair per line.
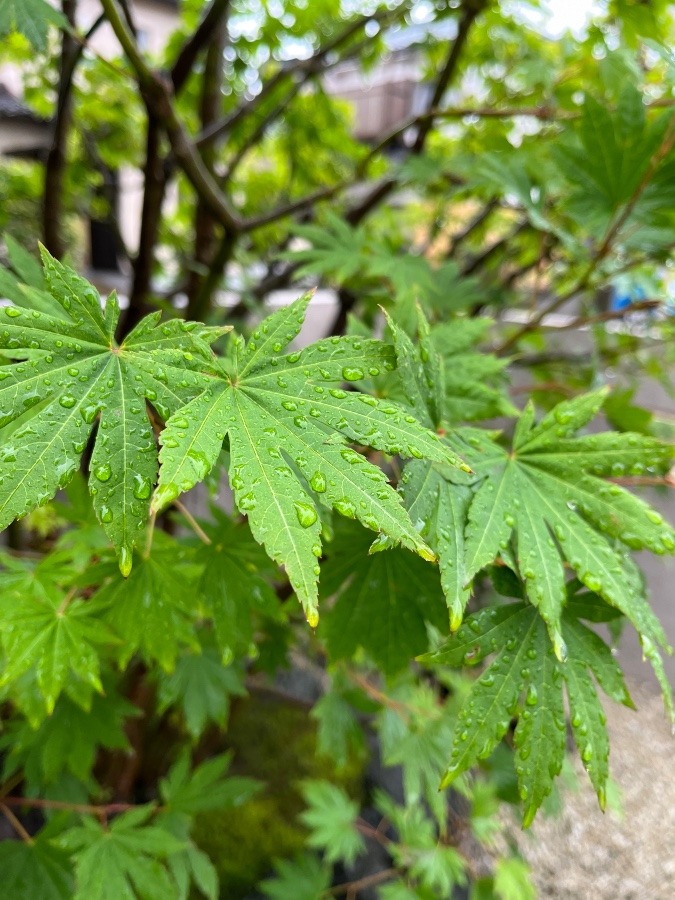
306,514
103,473
142,487
318,482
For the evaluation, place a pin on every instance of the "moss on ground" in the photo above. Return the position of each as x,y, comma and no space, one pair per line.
274,741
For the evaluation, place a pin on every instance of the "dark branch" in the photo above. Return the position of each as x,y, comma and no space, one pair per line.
182,67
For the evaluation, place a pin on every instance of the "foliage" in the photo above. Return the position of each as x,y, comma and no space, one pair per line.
188,481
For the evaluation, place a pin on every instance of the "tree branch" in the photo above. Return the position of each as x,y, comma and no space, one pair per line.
204,224
304,67
55,168
158,98
182,67
603,250
470,11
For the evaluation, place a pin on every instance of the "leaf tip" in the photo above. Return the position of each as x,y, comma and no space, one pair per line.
312,618
125,561
528,815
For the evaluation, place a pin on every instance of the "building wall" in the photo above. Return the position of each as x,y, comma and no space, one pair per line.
155,21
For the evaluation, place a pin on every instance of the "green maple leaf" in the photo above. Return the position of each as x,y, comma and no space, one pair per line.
69,373
45,630
288,426
201,686
45,752
38,869
331,819
383,601
546,496
31,18
337,250
127,859
471,378
154,609
205,788
436,496
305,878
235,583
525,680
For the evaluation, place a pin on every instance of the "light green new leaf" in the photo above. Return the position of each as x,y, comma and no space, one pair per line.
204,788
31,18
303,879
70,373
44,631
124,861
525,680
383,601
155,608
331,819
547,494
288,425
201,686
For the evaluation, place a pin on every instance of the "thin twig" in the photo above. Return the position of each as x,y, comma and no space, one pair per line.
603,250
15,823
193,523
82,808
352,887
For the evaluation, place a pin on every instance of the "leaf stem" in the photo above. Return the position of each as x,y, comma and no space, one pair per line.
192,522
151,534
352,887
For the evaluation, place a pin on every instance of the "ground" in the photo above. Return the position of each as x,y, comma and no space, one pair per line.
582,854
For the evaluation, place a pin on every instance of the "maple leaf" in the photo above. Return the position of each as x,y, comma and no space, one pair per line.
31,18
525,680
35,869
44,629
288,426
235,583
70,373
545,495
383,601
202,687
153,610
125,859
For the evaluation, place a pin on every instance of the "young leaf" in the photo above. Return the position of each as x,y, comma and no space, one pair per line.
31,18
525,680
204,788
288,430
331,816
153,610
127,859
69,373
306,878
201,686
383,601
42,628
